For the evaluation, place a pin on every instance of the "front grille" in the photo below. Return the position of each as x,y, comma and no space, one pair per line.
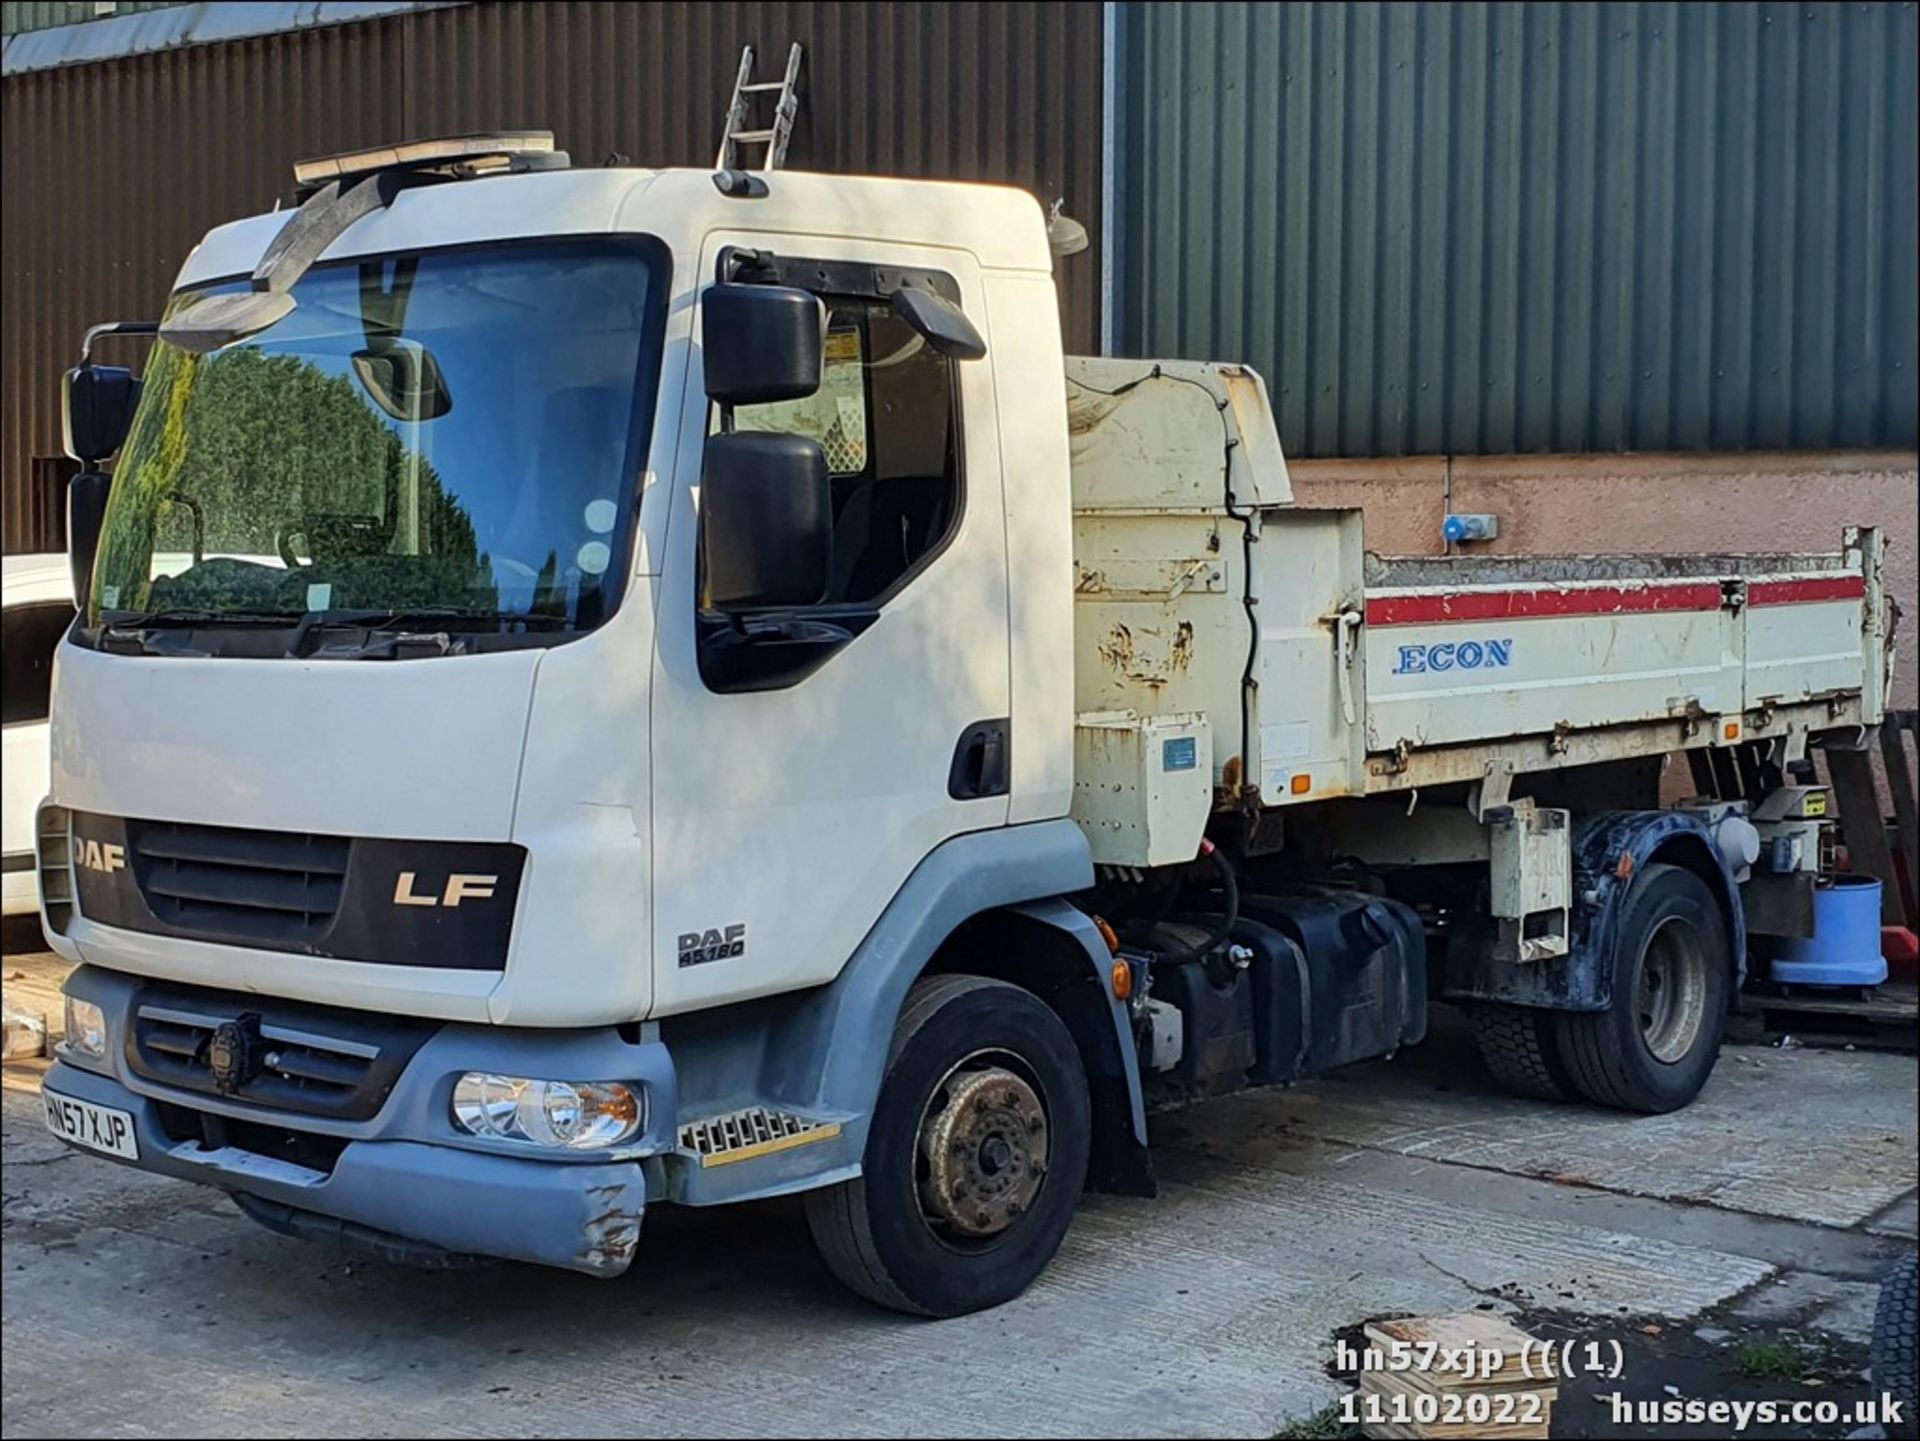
312,1060
275,888
349,898
306,1149
56,866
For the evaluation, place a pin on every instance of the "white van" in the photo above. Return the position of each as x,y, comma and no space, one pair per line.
36,601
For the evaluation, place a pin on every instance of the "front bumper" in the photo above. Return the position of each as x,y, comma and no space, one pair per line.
581,1217
407,1172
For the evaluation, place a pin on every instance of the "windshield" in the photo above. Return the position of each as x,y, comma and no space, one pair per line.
455,433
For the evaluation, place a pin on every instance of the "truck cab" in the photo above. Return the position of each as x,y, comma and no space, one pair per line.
402,738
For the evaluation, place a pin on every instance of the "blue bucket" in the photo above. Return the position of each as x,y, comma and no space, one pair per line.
1845,947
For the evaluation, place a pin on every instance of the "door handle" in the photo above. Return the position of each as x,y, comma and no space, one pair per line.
980,761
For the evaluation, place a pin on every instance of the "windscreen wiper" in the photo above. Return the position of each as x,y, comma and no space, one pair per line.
180,619
133,632
430,618
430,615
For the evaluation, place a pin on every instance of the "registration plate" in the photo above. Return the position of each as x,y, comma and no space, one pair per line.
98,1128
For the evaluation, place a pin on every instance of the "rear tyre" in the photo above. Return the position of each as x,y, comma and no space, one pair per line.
975,1159
1519,1045
1653,1048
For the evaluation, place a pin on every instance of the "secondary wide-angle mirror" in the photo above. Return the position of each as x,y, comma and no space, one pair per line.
944,324
766,522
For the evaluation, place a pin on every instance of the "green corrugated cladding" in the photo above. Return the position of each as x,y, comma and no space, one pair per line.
1489,228
17,17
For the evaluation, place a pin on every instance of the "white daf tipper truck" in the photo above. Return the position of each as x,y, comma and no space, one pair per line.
607,688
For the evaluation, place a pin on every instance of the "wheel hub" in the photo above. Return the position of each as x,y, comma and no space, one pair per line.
984,1142
1670,995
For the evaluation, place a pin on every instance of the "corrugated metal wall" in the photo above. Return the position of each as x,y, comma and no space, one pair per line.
112,171
1490,228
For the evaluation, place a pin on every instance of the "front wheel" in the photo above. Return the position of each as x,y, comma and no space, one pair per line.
975,1159
1520,1048
1653,1048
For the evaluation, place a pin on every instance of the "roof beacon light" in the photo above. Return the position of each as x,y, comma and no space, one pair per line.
457,155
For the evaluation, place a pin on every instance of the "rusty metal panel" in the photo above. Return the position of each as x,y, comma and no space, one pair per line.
112,171
1470,228
1142,786
1173,435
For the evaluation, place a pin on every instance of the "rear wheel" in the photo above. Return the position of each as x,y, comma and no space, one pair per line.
975,1159
1653,1048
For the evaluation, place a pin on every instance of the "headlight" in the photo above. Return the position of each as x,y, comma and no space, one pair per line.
565,1115
86,1030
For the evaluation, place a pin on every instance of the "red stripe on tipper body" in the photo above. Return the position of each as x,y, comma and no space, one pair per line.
1522,604
1806,592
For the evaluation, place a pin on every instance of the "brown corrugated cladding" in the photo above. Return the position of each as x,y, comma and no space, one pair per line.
112,171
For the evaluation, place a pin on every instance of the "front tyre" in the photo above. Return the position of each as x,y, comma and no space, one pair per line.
975,1159
1520,1048
1653,1048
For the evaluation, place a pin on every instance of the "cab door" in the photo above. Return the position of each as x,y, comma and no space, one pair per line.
786,818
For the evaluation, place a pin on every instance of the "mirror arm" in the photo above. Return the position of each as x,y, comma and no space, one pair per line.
114,327
323,217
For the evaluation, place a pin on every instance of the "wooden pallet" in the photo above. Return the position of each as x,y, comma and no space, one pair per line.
1878,845
35,1011
1886,1017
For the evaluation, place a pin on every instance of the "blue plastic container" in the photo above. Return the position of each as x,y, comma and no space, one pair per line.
1845,947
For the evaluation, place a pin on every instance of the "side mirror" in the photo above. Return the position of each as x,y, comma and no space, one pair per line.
943,324
98,404
761,343
86,515
766,521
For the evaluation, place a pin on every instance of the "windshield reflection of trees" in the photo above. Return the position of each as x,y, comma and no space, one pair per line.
281,475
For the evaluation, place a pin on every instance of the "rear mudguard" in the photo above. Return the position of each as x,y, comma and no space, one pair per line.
1609,850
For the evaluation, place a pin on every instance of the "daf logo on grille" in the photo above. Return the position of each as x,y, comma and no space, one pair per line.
230,1053
104,857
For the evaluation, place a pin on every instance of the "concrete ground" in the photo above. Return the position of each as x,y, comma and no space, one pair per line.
142,1307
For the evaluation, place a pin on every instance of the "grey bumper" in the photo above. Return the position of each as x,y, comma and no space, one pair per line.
582,1217
407,1172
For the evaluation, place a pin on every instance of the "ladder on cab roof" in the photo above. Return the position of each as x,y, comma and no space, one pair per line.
735,132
